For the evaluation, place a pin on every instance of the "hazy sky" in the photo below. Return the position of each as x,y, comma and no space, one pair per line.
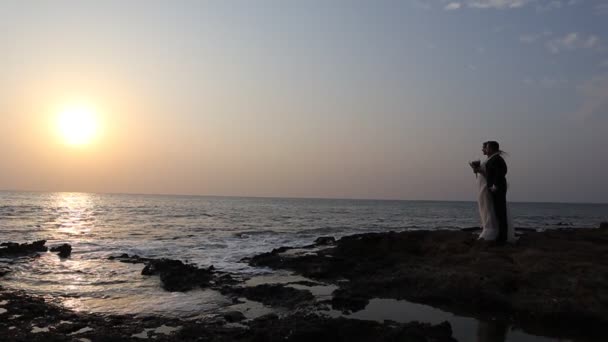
348,99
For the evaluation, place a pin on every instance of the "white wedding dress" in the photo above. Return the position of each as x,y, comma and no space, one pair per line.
489,222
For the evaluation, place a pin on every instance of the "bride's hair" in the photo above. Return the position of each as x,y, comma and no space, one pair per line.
495,146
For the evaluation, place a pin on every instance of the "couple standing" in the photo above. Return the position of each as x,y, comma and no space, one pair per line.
496,220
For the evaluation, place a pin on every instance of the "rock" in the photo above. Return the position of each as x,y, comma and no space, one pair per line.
274,295
325,240
234,316
64,250
135,259
16,249
4,271
177,276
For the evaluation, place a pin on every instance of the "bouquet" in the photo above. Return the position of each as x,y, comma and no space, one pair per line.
475,165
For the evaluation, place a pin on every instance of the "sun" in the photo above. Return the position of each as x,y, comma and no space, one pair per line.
77,124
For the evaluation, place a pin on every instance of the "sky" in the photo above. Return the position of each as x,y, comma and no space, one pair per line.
325,99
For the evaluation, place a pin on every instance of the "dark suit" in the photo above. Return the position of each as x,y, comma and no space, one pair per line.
496,172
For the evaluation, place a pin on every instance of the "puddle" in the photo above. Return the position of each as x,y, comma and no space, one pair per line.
166,330
36,330
251,309
143,334
464,328
320,290
298,252
163,329
275,278
83,330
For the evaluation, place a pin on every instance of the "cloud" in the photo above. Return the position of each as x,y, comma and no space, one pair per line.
594,95
551,5
533,37
604,63
497,4
452,6
601,8
546,82
591,42
572,41
550,83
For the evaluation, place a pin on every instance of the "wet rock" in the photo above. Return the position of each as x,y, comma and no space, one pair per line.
134,259
233,316
64,250
325,240
274,295
177,276
16,249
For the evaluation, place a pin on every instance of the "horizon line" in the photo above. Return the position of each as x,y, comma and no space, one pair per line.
288,197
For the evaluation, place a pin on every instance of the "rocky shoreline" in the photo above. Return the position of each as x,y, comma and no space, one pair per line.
551,283
548,283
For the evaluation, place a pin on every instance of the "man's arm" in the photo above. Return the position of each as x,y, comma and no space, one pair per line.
496,170
491,173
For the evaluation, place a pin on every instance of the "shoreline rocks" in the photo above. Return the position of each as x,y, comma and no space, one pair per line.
554,279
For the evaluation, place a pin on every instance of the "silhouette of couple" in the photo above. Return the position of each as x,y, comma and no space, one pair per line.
491,174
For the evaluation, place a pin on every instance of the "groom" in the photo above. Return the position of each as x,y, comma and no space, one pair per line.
496,172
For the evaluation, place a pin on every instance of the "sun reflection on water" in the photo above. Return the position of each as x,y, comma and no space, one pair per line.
74,213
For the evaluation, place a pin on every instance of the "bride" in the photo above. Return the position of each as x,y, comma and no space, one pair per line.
489,221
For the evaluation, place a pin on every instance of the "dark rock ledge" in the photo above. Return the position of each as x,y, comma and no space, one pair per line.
13,249
549,283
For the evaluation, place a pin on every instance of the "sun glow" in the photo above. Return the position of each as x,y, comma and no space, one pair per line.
77,124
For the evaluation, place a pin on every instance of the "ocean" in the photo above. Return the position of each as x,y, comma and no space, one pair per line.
217,231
